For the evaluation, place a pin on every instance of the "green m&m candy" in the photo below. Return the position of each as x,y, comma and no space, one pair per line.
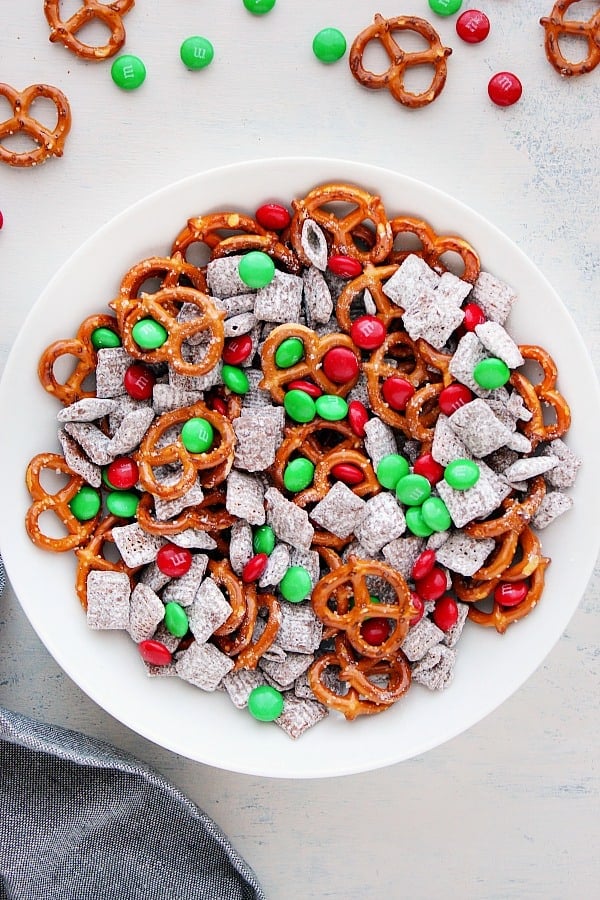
298,474
329,45
299,406
196,52
415,522
105,337
85,504
256,269
296,584
263,540
435,514
149,334
445,7
122,503
265,703
176,620
289,353
331,407
461,474
259,7
491,373
235,379
412,490
197,435
391,469
128,72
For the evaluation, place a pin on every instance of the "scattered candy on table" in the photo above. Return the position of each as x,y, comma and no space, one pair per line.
329,45
196,52
473,26
128,72
259,7
504,89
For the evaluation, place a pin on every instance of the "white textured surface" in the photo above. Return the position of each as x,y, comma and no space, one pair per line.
509,809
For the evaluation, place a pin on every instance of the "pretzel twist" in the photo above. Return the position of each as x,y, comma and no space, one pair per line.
109,14
153,452
377,369
383,30
50,142
91,558
433,247
514,515
80,347
544,393
77,532
275,379
162,307
354,574
341,230
372,280
210,515
212,229
557,26
170,271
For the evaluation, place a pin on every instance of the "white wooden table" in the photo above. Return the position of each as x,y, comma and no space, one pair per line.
509,809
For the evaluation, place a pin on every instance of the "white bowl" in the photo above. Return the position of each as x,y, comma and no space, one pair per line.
206,727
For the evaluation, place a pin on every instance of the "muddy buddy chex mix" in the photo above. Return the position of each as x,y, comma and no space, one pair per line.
317,456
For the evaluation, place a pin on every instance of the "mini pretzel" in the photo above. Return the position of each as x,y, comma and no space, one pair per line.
557,26
213,229
393,674
210,516
517,557
500,616
377,369
110,14
422,411
321,485
83,350
266,243
310,440
433,246
400,60
515,516
436,359
237,596
372,280
315,347
214,463
171,271
90,558
160,307
341,230
535,396
77,532
249,656
354,574
50,142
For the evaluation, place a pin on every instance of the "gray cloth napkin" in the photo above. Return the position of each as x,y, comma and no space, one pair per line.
82,820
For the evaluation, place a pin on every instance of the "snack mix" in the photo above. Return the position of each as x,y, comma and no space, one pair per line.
293,473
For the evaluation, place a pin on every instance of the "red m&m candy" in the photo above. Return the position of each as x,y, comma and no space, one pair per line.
139,382
273,216
123,473
423,564
474,315
426,466
313,390
254,568
511,593
237,350
155,653
375,631
340,365
433,585
358,417
473,26
173,561
504,89
453,397
344,266
348,473
368,332
397,391
445,613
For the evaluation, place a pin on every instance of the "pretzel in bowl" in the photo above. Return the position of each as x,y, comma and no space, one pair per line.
109,14
557,26
383,31
81,349
57,502
49,142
